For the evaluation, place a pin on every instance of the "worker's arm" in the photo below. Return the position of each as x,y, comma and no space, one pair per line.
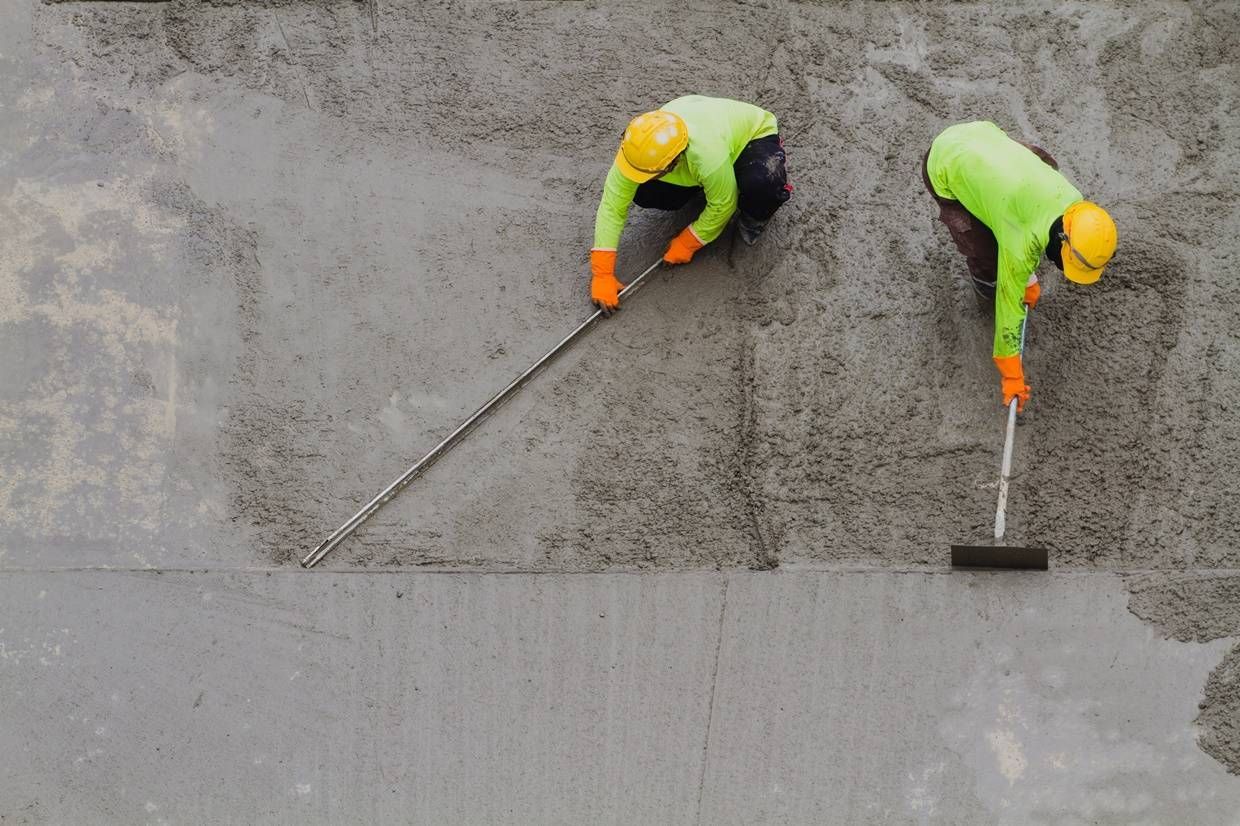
721,196
1009,316
613,208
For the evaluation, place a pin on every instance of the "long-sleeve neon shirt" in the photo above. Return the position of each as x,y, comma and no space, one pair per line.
718,130
1015,194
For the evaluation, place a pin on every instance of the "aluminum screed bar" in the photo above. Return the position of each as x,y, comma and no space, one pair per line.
340,534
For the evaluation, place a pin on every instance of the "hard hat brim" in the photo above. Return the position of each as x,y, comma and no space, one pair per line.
1073,271
631,172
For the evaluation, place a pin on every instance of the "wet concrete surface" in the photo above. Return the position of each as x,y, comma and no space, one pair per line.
259,257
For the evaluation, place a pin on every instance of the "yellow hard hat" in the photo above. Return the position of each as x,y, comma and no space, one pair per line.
650,144
1089,238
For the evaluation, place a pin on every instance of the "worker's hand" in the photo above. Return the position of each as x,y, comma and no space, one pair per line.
604,287
1013,381
1017,389
1032,293
681,250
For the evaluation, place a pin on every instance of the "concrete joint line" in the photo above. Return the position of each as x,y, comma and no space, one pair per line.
813,570
714,682
765,557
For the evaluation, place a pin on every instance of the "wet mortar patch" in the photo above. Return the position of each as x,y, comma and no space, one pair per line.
1220,713
1200,608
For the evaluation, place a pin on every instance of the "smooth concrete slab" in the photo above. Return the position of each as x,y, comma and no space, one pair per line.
985,698
190,698
712,698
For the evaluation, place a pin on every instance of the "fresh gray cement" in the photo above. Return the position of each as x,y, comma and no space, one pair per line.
259,257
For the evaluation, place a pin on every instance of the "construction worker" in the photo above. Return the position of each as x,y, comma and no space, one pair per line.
1006,205
728,150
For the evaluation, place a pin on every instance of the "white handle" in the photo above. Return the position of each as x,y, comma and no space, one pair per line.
1005,471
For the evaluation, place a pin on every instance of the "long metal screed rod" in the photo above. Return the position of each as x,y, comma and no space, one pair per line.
1005,470
340,534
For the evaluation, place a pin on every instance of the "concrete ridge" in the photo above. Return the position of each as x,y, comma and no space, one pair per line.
293,569
710,705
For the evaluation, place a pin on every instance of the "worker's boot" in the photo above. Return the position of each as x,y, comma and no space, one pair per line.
750,228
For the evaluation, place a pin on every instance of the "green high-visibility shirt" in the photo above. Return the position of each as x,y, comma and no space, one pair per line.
718,130
1014,193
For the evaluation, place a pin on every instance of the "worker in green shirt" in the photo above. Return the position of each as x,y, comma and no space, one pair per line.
725,149
1006,205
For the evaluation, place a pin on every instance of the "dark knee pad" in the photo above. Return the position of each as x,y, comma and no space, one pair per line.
661,195
762,178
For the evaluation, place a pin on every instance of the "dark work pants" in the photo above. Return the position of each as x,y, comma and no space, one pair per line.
761,181
973,238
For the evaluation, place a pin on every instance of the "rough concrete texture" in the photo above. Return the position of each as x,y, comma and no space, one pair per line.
377,215
258,257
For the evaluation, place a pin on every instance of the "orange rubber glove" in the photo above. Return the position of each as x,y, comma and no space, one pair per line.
1032,293
1013,382
604,286
681,250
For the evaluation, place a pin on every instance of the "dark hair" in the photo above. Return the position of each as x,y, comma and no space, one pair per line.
1054,244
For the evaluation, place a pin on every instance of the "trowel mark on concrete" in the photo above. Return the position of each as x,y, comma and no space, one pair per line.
269,437
766,554
750,266
1196,608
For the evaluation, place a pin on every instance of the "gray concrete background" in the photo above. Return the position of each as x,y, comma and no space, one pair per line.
600,698
258,257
